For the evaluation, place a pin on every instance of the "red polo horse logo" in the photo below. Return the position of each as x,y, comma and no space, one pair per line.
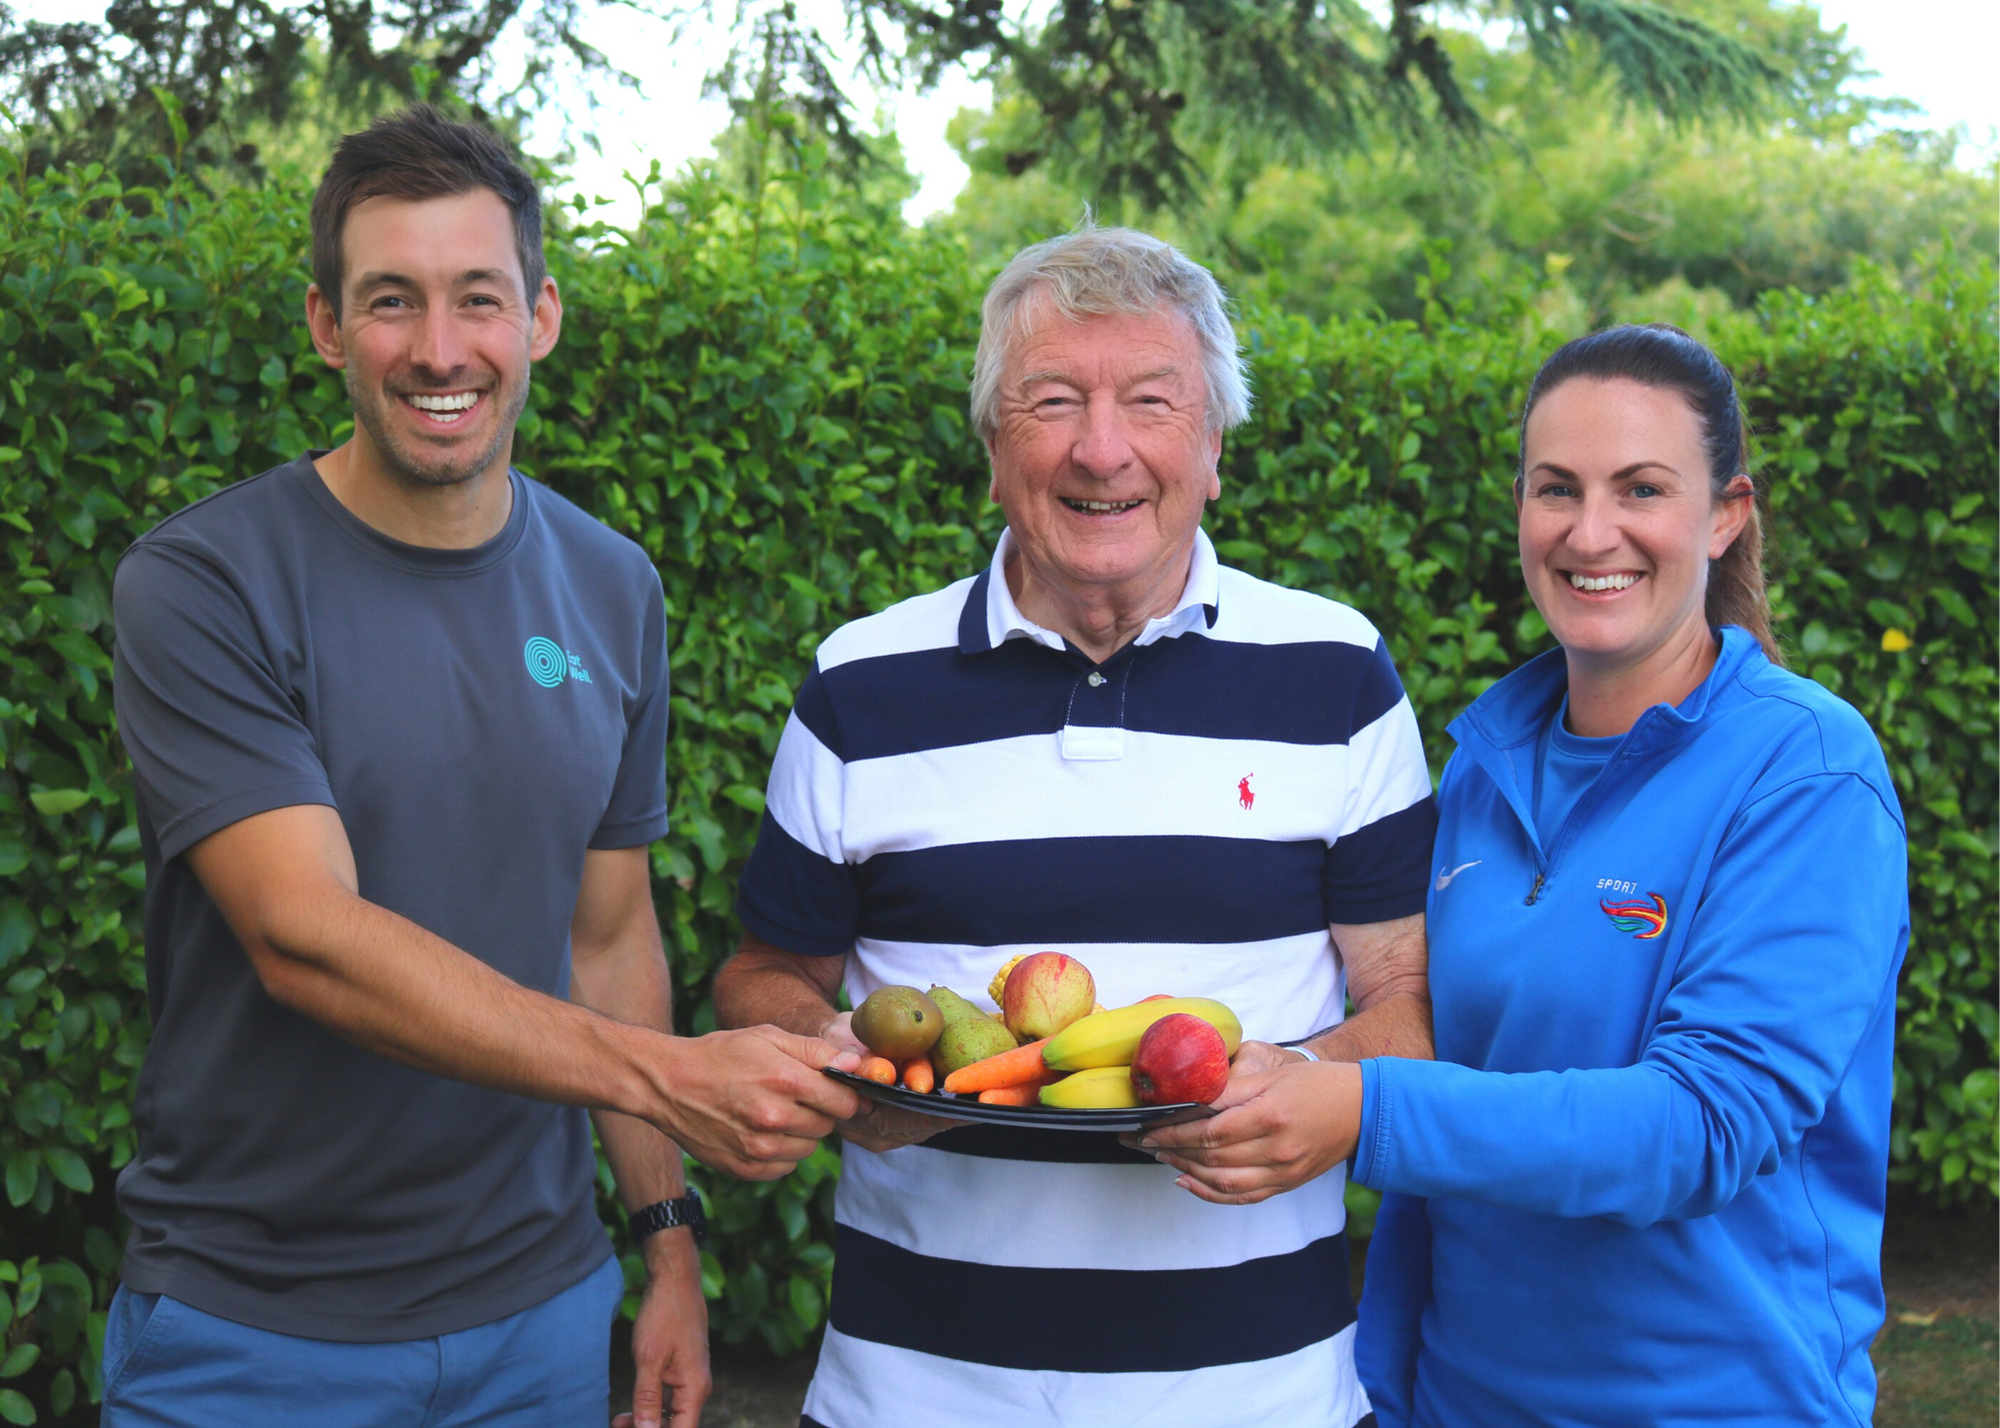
1243,794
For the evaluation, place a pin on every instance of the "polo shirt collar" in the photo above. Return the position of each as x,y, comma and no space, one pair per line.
991,617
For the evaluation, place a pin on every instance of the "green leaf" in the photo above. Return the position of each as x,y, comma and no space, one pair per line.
69,1168
79,648
17,930
1954,605
23,1170
19,1360
55,801
805,1300
14,1408
13,856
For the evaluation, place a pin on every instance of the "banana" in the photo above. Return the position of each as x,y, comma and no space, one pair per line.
1099,1089
1110,1038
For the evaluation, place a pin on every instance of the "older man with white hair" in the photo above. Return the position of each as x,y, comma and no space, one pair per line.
1196,782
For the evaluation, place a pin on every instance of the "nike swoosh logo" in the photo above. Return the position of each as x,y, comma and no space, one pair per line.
1444,878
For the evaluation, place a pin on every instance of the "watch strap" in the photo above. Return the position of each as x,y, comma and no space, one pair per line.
669,1215
1301,1048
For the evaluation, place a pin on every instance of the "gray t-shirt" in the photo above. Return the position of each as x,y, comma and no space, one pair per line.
478,718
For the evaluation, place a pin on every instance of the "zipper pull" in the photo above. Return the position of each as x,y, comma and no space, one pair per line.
1535,891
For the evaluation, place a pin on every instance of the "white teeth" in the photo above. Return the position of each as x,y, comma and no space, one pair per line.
1099,506
1603,582
456,402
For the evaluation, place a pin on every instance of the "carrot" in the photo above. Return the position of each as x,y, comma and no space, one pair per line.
1028,1093
1009,1068
919,1075
878,1068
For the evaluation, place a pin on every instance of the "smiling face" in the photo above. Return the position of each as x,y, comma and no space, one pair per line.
436,335
1617,522
1103,459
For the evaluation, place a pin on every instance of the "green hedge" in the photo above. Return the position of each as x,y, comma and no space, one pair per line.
772,403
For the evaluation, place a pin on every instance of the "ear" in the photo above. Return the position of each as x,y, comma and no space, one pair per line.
1730,515
1215,464
546,325
325,329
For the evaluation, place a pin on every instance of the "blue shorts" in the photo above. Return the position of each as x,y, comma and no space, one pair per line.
169,1365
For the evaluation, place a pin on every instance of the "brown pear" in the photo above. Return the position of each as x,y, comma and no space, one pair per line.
898,1022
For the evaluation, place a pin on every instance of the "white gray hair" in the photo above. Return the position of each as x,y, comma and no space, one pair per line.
1098,271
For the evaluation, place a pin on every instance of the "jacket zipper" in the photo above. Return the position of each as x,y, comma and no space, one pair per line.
1536,891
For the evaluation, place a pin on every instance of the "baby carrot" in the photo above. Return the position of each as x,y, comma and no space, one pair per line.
919,1075
1009,1068
1028,1093
878,1068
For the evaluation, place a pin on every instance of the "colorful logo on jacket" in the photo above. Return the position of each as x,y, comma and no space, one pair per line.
1644,920
1245,795
549,664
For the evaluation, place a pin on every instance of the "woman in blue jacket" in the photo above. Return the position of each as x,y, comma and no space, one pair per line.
1643,1181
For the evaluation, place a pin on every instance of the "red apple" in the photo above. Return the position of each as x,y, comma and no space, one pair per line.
1180,1058
1045,993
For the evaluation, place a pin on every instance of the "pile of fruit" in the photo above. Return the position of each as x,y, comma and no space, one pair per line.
1052,1043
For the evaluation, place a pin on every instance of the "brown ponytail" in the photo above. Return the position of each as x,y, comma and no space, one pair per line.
1657,354
1736,583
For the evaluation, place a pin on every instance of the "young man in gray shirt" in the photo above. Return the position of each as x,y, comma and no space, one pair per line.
398,718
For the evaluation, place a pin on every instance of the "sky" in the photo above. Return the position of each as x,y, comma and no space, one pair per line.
1938,53
668,119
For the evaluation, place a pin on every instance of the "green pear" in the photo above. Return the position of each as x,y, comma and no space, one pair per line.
952,1005
968,1039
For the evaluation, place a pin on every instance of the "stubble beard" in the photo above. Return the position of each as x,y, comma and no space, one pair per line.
409,462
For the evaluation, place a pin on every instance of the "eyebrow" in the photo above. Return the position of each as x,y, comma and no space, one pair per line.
400,280
1621,474
1050,374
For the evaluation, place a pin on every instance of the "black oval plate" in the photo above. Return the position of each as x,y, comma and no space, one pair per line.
971,1108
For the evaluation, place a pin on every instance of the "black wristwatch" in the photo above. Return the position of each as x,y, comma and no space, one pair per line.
671,1214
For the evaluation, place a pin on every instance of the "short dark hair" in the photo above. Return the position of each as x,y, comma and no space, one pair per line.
418,154
1660,355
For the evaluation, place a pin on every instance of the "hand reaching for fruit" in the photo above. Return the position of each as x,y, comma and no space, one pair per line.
878,1127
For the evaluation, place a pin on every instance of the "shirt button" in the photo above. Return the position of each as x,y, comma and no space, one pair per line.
1095,679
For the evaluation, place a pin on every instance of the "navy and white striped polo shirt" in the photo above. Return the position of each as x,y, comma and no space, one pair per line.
957,785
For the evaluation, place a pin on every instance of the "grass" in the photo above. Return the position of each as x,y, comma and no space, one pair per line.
1936,1357
1938,1375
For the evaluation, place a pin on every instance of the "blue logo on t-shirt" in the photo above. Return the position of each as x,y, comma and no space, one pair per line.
549,664
546,662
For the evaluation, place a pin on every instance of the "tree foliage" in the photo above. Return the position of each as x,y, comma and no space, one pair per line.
769,397
1115,90
210,81
1609,198
1110,82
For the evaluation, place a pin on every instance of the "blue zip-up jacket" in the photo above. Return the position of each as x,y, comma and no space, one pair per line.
1643,1181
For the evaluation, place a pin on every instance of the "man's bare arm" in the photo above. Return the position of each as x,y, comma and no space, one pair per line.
619,968
1388,978
750,1102
766,983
